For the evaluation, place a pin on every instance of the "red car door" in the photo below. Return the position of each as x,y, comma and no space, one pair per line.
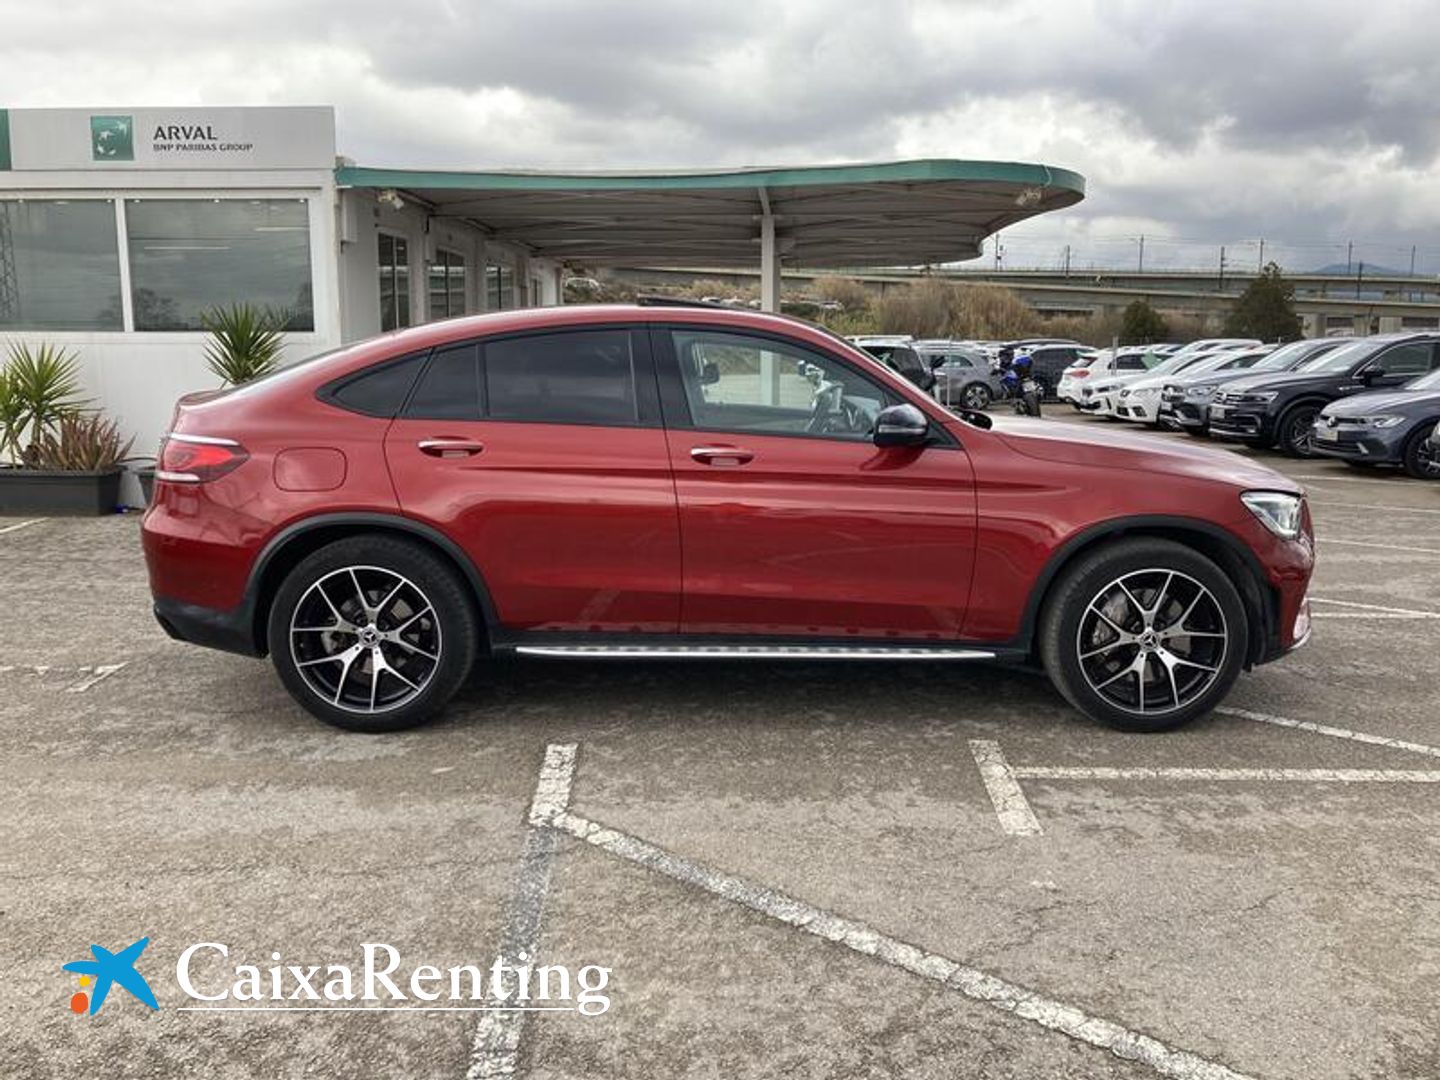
542,455
792,521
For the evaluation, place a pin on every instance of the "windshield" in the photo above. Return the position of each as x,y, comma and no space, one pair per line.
1345,357
1283,357
1211,361
1179,362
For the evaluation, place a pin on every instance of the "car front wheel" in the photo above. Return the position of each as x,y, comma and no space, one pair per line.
975,396
373,633
1144,634
1422,459
1297,430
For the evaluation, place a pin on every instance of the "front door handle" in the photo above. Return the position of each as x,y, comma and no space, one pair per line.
722,455
450,447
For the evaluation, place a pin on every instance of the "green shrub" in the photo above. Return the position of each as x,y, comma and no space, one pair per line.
245,341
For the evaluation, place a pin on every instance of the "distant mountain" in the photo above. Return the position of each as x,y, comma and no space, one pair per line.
1371,270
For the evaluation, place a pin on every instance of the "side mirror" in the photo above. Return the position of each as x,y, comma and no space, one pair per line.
901,425
709,373
1370,374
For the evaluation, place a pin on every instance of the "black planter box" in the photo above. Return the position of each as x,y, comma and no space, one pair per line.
42,491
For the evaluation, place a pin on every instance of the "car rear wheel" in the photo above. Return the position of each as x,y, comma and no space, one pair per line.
373,633
1421,459
1297,430
1144,634
975,396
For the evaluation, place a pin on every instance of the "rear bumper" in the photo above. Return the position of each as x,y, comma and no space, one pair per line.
229,631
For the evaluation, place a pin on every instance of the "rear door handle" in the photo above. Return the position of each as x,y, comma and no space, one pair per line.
450,447
722,455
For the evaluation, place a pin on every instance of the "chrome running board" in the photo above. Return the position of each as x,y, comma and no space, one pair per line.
752,652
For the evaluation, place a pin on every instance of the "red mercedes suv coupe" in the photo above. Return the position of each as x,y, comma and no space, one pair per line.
658,481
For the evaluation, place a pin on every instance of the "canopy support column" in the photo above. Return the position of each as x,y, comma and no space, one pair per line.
769,258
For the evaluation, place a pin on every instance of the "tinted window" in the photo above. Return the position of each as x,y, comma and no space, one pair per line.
585,377
735,382
450,387
1133,362
1413,358
380,391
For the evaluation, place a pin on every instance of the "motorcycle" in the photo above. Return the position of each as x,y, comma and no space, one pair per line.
1023,392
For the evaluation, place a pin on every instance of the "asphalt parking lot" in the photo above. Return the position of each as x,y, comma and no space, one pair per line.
805,870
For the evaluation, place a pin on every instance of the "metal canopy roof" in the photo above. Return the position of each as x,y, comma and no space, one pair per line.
903,213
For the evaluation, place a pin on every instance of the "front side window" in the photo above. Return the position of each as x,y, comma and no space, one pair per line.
1413,358
447,285
735,382
59,265
394,282
190,256
580,377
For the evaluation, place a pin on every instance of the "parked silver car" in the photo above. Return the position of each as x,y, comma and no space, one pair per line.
963,375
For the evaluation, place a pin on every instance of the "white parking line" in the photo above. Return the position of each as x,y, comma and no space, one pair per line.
1410,613
864,939
1337,776
96,675
20,525
1331,731
1309,479
1384,547
1011,806
495,1051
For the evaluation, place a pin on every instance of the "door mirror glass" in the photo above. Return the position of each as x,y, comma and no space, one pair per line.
901,425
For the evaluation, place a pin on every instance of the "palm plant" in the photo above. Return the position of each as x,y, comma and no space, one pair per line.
82,442
39,387
245,341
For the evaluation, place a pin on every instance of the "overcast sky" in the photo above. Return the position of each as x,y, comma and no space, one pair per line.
1195,123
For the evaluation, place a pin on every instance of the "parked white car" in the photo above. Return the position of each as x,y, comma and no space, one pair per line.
1102,397
1134,359
1139,400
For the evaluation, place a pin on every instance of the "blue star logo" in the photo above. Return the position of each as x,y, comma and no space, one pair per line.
109,968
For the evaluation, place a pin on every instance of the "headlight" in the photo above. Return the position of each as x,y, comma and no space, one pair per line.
1259,397
1278,511
1384,421
1200,391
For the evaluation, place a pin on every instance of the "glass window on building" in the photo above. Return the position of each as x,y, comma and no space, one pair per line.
394,282
190,256
447,285
59,265
499,287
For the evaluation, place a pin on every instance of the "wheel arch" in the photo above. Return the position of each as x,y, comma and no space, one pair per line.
1223,548
284,551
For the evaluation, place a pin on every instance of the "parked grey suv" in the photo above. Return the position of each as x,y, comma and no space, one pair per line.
963,377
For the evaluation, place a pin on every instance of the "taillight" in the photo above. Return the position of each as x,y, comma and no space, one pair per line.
195,459
1080,373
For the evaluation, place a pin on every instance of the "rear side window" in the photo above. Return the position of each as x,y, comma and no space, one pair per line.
377,391
1133,362
580,377
450,387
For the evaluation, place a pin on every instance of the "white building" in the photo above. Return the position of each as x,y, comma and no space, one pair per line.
118,229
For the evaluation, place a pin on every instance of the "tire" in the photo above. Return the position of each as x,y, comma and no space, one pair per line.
423,627
1418,460
1082,650
1293,434
975,396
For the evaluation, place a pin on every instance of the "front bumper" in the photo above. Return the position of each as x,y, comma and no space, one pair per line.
1356,444
1185,412
1144,409
1240,422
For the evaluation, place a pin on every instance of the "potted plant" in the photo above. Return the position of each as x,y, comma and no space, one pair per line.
245,341
55,457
